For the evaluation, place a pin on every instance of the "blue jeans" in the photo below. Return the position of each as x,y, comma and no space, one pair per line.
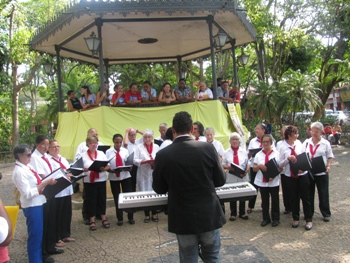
210,247
34,216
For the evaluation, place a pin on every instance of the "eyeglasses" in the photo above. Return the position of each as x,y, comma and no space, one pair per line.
266,141
54,147
234,139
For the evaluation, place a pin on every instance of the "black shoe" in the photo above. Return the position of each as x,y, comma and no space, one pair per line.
87,222
56,251
48,260
327,219
120,223
275,223
308,227
265,222
132,222
295,225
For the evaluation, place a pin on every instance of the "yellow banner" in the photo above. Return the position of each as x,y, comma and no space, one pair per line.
73,126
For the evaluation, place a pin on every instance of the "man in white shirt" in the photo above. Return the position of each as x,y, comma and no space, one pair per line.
162,130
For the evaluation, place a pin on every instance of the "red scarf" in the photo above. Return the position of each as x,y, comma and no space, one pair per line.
38,179
47,161
60,163
235,155
150,150
93,175
118,161
312,151
266,161
294,154
258,140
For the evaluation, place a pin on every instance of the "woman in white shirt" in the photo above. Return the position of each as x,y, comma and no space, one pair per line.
317,146
268,188
119,180
144,156
209,133
63,198
296,185
95,183
29,184
237,155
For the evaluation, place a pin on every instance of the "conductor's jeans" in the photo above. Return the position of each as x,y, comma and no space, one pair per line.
34,219
209,243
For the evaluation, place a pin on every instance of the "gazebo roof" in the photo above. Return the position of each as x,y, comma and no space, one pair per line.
180,26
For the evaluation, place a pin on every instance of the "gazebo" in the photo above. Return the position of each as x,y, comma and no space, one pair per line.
144,31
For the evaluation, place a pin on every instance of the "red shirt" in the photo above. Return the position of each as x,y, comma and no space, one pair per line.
130,96
120,100
235,95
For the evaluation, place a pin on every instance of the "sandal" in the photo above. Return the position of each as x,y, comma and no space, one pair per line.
155,218
60,243
232,218
92,226
68,239
106,224
146,220
249,211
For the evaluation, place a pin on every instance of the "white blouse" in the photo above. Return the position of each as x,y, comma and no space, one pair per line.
243,162
124,154
87,162
260,159
26,183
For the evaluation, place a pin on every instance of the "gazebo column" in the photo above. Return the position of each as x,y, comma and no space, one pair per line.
99,24
212,53
59,79
106,64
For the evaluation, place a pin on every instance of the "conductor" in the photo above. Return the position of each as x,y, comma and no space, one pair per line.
189,171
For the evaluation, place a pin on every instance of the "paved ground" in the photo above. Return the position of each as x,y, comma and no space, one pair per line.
242,241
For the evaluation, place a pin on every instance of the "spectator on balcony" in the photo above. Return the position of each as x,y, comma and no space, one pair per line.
87,99
105,94
235,95
133,95
148,94
73,103
119,95
203,92
166,95
182,92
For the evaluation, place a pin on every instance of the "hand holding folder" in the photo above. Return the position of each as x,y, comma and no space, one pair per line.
237,170
62,182
272,169
97,164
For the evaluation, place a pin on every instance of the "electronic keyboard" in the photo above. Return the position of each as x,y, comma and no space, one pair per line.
227,193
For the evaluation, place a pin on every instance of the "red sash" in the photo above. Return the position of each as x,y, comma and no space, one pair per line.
93,174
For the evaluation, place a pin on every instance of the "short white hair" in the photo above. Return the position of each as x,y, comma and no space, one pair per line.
148,132
235,134
209,129
317,125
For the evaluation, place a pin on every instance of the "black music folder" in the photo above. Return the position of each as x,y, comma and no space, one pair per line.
123,168
303,163
77,167
272,169
130,160
318,165
97,164
62,182
237,170
158,142
254,151
103,148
